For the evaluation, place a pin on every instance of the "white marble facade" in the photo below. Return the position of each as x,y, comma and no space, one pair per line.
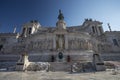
35,38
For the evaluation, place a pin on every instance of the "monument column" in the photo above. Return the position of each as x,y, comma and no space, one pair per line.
66,42
54,42
61,31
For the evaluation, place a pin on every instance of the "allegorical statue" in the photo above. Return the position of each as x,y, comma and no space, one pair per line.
109,27
60,16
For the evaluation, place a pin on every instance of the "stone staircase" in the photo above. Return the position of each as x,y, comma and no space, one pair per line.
60,66
7,64
9,58
111,56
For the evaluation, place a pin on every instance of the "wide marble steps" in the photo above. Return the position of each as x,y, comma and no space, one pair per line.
60,66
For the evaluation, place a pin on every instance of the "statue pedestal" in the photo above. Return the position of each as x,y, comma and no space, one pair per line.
61,24
60,60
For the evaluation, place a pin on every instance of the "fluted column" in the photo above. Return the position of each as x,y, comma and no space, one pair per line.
54,42
66,42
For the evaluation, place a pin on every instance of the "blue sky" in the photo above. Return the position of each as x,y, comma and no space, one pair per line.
17,12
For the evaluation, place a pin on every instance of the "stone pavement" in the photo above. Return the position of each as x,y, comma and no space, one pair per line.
105,75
